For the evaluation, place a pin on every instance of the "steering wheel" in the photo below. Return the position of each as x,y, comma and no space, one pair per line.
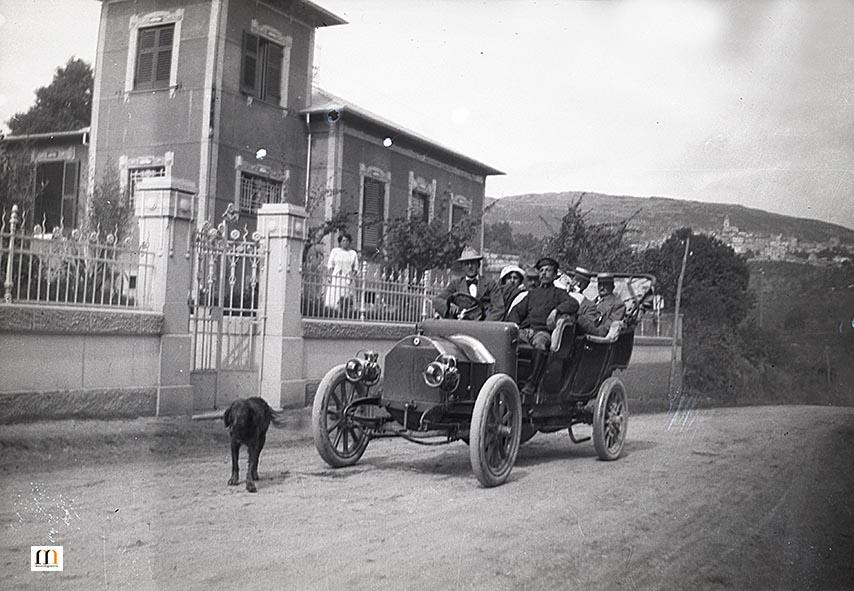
467,307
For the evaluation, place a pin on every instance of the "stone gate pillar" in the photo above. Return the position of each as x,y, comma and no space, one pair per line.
282,227
164,211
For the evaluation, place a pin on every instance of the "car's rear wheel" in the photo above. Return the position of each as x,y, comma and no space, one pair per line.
610,419
340,439
496,426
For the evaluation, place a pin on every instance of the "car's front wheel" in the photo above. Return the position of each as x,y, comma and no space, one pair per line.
496,426
340,438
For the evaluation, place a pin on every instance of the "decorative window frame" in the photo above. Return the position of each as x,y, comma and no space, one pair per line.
153,19
262,170
379,174
420,184
271,33
167,160
459,201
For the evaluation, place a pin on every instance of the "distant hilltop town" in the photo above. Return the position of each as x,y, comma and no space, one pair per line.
777,248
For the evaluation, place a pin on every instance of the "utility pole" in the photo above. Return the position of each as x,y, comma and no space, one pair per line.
676,323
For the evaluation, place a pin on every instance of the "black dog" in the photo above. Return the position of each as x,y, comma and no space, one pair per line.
247,420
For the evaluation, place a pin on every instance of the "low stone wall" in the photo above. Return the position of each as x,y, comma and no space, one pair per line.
77,362
327,344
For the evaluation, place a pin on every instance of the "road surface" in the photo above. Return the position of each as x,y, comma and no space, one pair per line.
743,498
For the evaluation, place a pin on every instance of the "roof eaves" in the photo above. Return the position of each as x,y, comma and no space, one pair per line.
344,106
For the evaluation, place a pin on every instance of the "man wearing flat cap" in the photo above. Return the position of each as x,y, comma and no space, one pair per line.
532,315
611,308
588,314
485,291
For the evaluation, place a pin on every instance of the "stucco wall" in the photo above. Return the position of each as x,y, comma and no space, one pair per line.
77,362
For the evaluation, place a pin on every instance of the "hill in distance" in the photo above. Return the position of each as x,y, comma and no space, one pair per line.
654,218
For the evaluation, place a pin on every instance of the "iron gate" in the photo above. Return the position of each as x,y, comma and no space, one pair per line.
225,320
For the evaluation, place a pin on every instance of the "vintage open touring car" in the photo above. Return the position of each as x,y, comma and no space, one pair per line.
459,380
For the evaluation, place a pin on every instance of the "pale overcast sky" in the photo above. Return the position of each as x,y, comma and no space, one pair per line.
747,102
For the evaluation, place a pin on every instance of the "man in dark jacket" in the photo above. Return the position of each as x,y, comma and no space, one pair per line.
611,308
533,312
588,314
485,291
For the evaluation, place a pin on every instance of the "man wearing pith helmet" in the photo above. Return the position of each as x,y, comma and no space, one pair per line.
485,291
533,313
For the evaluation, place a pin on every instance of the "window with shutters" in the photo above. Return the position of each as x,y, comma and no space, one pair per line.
420,206
373,214
256,190
153,57
261,74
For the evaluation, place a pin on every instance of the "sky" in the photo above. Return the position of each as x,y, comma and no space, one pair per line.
748,102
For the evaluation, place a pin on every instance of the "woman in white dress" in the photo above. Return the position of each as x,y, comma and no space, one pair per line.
343,264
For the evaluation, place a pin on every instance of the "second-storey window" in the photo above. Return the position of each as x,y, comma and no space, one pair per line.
153,57
261,75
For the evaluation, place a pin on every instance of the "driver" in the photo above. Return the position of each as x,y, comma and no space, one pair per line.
533,312
485,291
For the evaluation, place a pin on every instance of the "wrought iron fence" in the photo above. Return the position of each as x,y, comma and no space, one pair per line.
74,268
371,295
224,313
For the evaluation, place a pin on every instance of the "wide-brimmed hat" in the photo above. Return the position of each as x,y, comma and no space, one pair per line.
547,261
469,254
582,273
605,279
511,269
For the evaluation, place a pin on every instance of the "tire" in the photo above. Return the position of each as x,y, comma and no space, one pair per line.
610,419
496,426
339,440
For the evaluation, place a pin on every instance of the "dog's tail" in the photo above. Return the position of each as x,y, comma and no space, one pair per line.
278,418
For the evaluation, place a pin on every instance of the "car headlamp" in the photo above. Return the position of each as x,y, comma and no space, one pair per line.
365,370
442,373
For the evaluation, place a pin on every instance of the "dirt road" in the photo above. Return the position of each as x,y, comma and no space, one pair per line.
748,498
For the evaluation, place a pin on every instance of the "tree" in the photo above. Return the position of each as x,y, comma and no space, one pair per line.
419,245
64,105
716,278
715,300
17,182
598,247
109,210
498,237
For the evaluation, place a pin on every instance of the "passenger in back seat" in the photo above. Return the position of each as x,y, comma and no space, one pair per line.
588,314
611,308
532,313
